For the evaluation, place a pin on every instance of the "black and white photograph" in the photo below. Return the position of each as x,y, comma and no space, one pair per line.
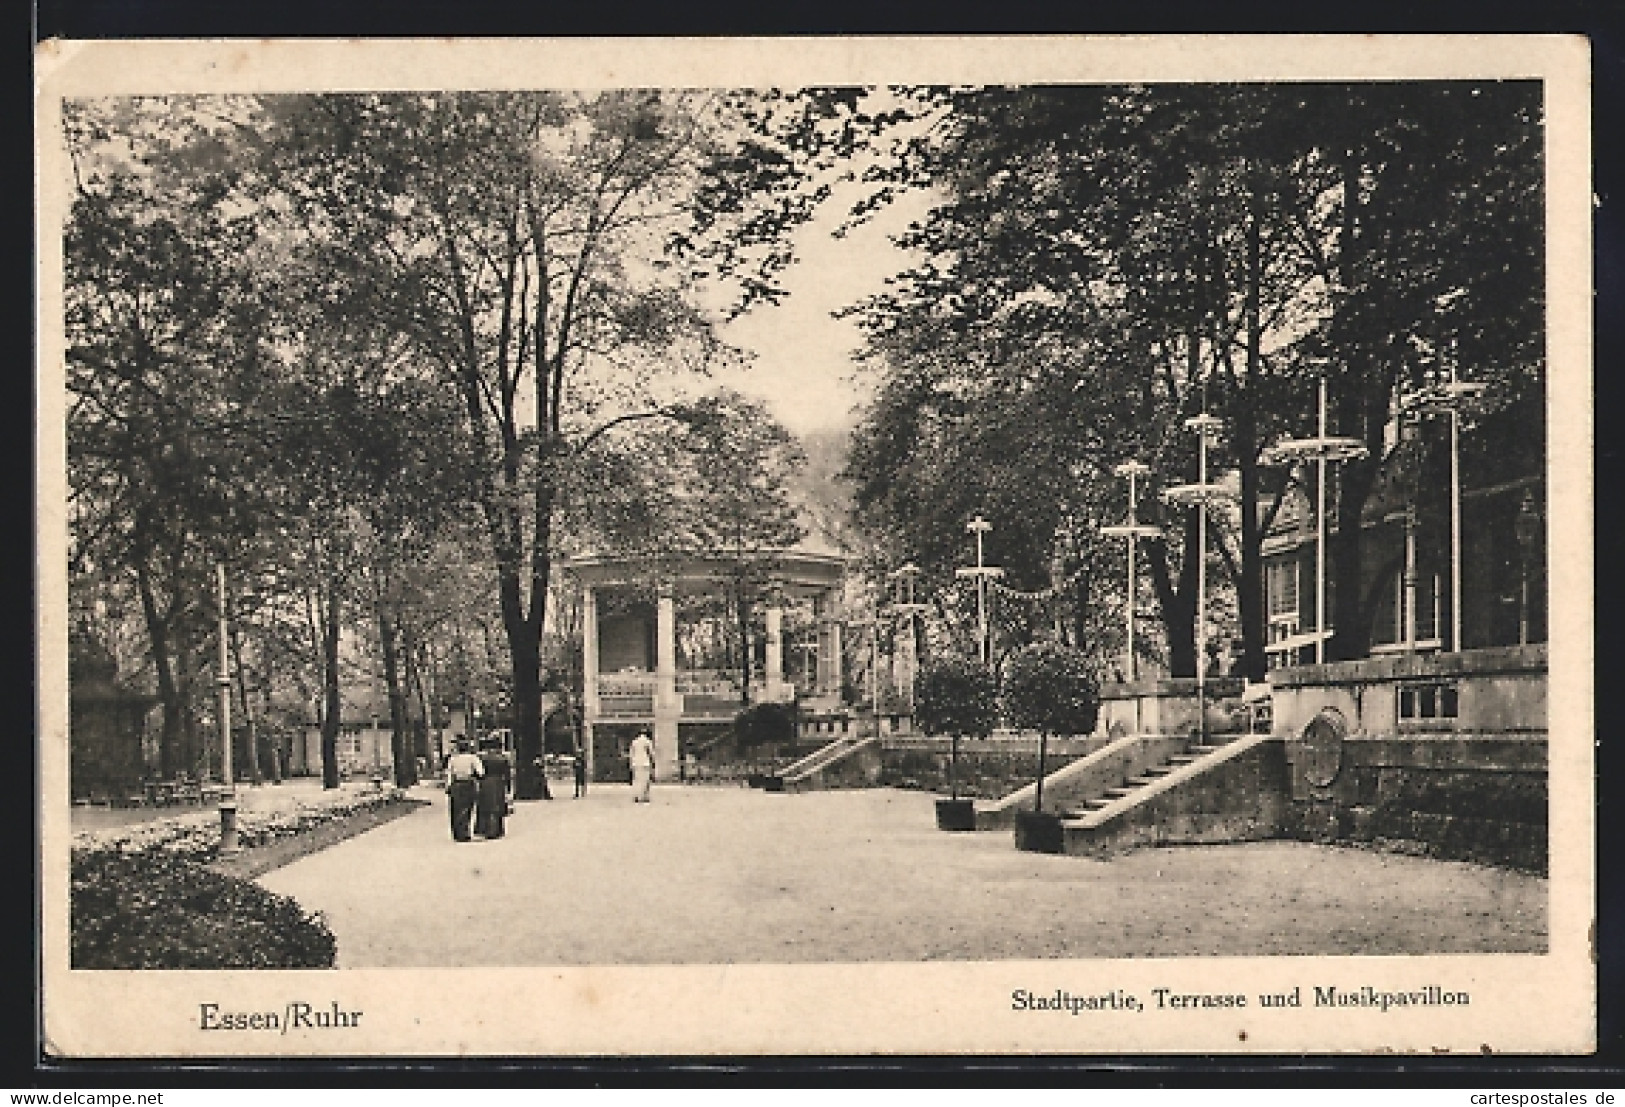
1049,545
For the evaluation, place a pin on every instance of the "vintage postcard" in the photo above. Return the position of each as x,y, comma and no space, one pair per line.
815,546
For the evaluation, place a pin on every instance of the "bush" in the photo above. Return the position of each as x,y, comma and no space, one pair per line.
761,723
957,696
156,910
1051,689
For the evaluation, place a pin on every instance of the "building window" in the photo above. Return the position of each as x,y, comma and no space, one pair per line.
1423,701
1391,621
1281,582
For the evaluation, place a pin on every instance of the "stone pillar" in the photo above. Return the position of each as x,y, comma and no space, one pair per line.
773,678
835,664
668,708
589,671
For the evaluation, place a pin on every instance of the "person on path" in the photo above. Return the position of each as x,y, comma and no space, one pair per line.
463,773
579,764
495,785
642,756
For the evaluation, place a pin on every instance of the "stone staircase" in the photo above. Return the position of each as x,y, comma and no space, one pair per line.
1207,793
1194,753
1113,766
850,761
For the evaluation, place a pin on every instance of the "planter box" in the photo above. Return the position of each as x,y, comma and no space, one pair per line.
773,784
956,814
1038,832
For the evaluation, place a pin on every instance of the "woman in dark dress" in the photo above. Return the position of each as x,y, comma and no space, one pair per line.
494,788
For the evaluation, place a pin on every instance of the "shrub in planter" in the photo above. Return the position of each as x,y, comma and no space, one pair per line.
959,697
1052,689
157,910
762,723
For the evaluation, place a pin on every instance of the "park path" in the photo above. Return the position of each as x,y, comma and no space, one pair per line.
714,874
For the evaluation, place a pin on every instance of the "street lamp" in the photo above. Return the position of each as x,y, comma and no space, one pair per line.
980,573
1450,398
1133,531
228,796
1321,449
1201,495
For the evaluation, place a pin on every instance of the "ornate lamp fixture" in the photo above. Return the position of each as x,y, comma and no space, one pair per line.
981,574
1132,530
1321,449
1450,398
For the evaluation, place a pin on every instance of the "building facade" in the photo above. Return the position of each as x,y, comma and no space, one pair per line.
678,645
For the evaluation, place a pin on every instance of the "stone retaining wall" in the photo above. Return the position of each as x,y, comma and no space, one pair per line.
1469,785
1241,799
1462,798
987,769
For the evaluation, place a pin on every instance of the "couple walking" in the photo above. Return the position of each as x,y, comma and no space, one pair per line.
478,787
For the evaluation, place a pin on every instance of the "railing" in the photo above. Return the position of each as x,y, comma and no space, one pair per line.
707,682
625,705
626,684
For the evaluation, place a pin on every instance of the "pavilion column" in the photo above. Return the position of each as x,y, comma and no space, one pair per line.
773,678
589,671
829,651
668,708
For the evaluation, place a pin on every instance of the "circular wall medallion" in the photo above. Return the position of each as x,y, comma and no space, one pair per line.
1323,747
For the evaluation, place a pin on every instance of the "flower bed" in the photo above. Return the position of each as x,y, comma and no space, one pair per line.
196,835
156,909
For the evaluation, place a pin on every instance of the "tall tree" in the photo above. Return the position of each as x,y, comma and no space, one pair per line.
518,240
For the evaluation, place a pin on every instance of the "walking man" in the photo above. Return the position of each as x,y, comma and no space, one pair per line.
579,764
643,766
463,772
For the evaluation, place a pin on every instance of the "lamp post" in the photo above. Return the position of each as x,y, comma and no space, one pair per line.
228,796
1526,529
1321,449
981,573
1200,495
1133,531
1450,398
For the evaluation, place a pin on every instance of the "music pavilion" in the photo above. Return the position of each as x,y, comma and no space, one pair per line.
665,649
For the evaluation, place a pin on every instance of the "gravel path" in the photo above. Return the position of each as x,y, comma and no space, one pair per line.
705,875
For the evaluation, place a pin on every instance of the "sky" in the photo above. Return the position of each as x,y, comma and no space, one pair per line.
803,365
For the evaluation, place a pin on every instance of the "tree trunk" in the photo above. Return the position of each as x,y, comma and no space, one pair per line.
279,750
1177,605
331,708
1345,548
254,773
1345,558
400,751
530,780
1038,786
1250,588
169,736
